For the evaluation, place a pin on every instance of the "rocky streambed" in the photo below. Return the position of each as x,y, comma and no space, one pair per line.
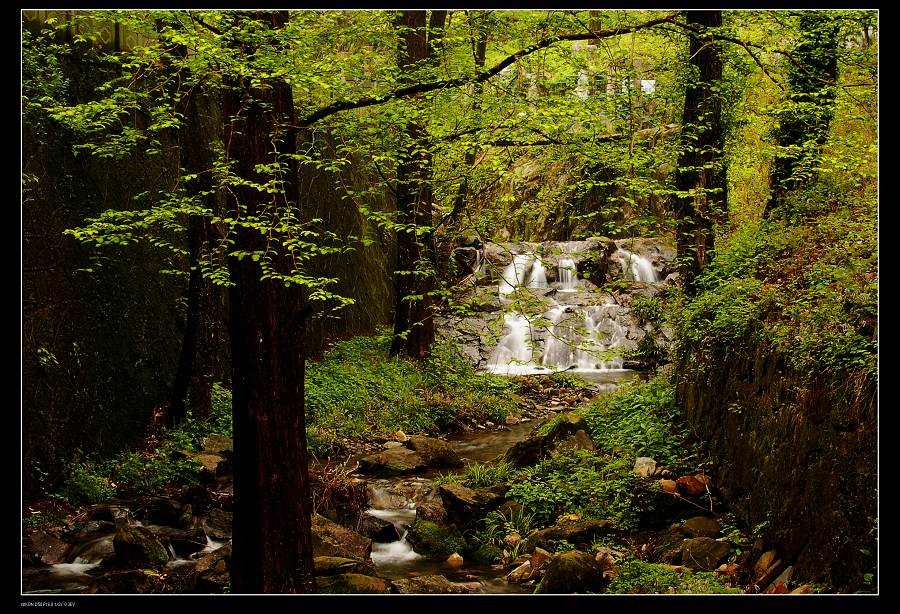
384,526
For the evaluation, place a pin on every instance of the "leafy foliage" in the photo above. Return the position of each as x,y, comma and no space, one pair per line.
637,576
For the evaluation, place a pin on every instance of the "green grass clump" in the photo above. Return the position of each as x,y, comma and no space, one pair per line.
642,420
357,390
636,576
478,475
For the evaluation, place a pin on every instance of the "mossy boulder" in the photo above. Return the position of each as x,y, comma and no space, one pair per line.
430,584
334,565
139,547
393,462
351,583
579,532
434,541
572,572
434,452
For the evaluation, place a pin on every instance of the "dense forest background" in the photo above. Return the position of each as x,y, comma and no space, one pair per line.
211,197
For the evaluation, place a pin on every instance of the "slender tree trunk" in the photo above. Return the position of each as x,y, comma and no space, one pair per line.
414,276
804,121
701,172
272,551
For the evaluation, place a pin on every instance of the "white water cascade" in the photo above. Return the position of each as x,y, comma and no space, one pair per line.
568,275
515,273
538,276
636,268
512,355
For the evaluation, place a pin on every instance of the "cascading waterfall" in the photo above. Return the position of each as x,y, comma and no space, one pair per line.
604,334
538,276
635,267
515,348
515,273
568,276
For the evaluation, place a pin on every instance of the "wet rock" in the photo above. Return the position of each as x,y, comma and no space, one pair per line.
434,452
170,512
780,584
644,466
575,533
212,572
700,526
390,445
333,565
463,505
139,547
805,589
704,553
580,440
351,583
433,511
394,462
512,540
46,548
764,562
669,548
572,572
96,550
536,447
406,493
434,541
377,529
520,574
183,541
539,559
429,584
128,582
331,539
455,560
217,524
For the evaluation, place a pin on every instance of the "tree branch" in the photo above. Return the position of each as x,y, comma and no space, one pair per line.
421,88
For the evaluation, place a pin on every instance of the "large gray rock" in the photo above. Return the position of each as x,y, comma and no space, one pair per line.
573,572
331,539
139,547
564,431
575,533
183,541
217,524
700,526
47,548
351,583
377,529
703,553
213,571
463,505
429,584
434,452
394,462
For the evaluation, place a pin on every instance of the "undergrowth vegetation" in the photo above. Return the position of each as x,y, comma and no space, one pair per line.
357,391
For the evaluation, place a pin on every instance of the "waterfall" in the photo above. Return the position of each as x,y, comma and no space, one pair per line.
568,275
514,274
559,348
538,276
514,349
604,334
636,268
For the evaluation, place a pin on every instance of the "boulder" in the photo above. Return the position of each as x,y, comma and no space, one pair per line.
575,533
331,539
455,560
536,447
572,572
393,462
700,526
429,584
432,510
690,486
377,529
47,548
351,583
464,505
668,548
128,582
217,524
333,565
520,574
704,553
434,452
644,466
431,540
139,547
183,541
170,512
212,572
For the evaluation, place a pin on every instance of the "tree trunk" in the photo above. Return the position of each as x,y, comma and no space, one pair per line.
272,550
414,274
700,176
804,121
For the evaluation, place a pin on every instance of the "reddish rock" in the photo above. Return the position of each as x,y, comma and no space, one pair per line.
806,589
764,562
455,560
669,486
690,486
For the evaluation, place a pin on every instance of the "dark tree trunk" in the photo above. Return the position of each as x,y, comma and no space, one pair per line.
272,550
701,170
804,121
414,274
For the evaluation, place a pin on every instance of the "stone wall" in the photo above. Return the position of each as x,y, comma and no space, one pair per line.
795,456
